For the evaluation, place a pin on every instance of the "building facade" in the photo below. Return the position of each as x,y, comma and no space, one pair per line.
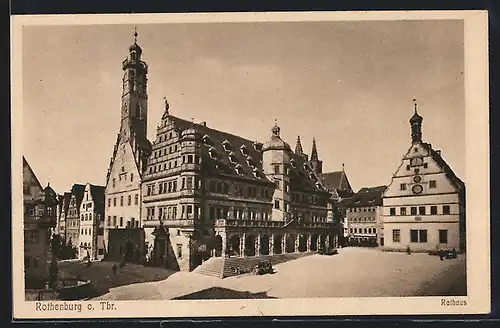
198,192
40,207
92,223
123,181
424,205
62,216
364,217
72,225
208,191
340,190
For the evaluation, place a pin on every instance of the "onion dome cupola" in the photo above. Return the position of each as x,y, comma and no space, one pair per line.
416,125
276,143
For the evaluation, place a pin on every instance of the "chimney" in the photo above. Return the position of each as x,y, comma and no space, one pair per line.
204,123
438,151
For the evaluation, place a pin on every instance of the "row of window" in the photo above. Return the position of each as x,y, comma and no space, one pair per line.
361,209
432,185
86,232
186,159
363,230
420,210
39,210
165,137
123,176
129,200
360,220
112,222
31,236
86,217
163,151
419,236
408,167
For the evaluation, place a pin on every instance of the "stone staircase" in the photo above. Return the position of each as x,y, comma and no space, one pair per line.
223,267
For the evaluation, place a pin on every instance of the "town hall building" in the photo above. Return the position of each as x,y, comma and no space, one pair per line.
424,205
197,192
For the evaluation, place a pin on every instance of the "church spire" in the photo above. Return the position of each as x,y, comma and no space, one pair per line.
298,147
314,151
316,164
416,125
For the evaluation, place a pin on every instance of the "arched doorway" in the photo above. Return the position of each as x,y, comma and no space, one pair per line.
250,245
234,245
290,244
264,245
278,239
302,243
129,251
314,243
218,246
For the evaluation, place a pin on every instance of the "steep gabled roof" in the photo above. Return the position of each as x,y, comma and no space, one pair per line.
67,199
302,175
459,184
78,190
370,197
336,180
380,189
97,193
224,153
32,173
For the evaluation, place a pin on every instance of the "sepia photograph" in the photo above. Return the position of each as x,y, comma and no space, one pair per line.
278,164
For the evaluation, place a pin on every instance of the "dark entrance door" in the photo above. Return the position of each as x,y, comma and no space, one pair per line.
129,251
381,241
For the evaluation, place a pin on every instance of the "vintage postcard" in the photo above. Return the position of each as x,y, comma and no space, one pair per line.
250,164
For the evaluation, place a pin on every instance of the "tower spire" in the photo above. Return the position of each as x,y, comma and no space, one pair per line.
276,129
416,125
298,147
135,34
314,151
316,164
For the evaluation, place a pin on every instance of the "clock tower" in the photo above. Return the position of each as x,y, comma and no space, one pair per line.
424,205
134,95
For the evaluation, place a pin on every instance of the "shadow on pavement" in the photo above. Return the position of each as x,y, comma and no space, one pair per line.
103,278
222,293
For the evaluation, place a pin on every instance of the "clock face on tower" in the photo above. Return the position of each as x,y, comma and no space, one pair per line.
417,189
417,179
416,161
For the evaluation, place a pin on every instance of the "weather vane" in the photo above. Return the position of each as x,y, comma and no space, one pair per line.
135,34
415,103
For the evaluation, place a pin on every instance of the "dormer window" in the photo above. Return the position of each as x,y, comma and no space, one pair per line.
293,164
257,146
212,153
244,150
250,161
206,139
227,145
232,158
238,169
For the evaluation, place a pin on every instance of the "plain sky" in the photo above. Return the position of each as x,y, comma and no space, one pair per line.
348,84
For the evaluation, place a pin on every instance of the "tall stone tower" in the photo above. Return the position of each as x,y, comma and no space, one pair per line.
132,148
275,160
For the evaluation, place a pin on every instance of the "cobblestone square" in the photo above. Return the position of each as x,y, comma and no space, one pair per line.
354,272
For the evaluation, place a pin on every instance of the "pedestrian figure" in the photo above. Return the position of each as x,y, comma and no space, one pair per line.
114,268
441,255
408,250
453,253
